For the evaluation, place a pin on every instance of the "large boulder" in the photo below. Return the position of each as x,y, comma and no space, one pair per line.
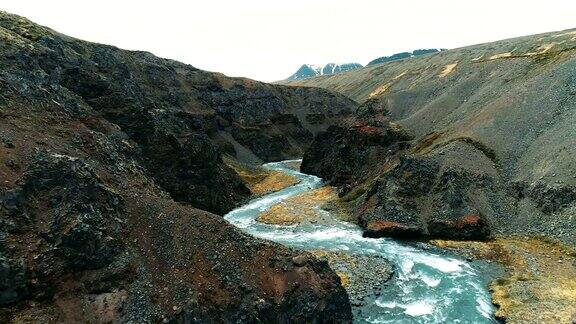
74,218
447,193
400,189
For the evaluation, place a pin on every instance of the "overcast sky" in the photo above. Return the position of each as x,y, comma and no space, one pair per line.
269,39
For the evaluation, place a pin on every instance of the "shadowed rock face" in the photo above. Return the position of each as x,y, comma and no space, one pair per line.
396,190
97,145
430,196
512,102
180,117
83,224
345,152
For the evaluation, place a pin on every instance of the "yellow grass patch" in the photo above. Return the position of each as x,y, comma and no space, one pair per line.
543,270
274,181
344,279
479,58
542,49
259,180
383,88
293,210
500,56
280,214
447,70
314,197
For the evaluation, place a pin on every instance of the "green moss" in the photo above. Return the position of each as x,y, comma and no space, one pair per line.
354,194
552,56
22,26
426,142
489,152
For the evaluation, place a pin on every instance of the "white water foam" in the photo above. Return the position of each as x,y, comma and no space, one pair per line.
419,308
429,280
419,294
415,308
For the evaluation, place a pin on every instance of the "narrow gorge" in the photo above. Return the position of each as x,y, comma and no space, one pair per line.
429,188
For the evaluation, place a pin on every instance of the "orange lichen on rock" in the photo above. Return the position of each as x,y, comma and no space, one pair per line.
380,225
368,129
470,227
468,221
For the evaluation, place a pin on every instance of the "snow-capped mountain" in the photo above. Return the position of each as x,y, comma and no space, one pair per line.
310,70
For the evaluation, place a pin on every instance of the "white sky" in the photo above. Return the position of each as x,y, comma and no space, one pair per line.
269,39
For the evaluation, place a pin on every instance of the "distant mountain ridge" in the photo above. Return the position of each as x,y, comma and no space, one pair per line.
310,70
404,55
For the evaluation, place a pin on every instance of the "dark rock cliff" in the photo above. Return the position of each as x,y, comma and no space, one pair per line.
108,158
395,188
173,111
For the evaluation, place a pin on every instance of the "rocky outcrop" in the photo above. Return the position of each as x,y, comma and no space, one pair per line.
432,196
106,157
71,221
70,237
403,190
345,153
380,228
13,285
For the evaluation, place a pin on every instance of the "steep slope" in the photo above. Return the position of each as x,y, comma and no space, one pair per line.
503,112
173,111
309,70
98,145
